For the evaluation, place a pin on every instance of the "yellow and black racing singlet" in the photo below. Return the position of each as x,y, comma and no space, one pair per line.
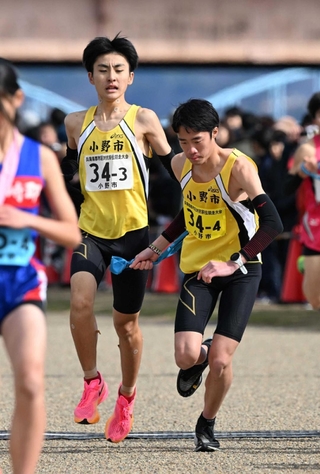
217,226
113,177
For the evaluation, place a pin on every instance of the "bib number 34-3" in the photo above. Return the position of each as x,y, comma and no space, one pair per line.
109,172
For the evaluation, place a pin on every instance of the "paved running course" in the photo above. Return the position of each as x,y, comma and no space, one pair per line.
269,423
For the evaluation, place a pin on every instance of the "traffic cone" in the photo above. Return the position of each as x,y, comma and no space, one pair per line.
291,291
166,276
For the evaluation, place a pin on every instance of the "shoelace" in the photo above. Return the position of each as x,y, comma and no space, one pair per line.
125,415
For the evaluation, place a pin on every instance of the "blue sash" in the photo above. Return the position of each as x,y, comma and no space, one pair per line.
118,264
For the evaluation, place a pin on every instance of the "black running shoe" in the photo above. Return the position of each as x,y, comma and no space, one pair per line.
189,380
204,439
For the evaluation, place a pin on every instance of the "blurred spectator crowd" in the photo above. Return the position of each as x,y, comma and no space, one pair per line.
270,143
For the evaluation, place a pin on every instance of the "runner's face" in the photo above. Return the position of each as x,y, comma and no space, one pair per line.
197,146
111,76
9,105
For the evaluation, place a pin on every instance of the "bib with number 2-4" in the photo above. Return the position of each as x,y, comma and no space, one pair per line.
109,171
16,246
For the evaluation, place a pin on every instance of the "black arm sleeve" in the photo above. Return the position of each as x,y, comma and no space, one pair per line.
270,225
75,194
69,167
176,228
166,162
69,164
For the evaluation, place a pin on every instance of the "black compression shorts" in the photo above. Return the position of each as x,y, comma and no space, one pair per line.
237,296
308,252
94,256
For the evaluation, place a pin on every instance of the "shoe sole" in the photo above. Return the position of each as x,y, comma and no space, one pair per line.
96,417
206,449
201,447
196,383
106,431
190,391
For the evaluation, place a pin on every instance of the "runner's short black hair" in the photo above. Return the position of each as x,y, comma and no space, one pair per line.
103,45
195,114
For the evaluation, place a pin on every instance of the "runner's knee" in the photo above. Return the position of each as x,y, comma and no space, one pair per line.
30,383
186,359
126,328
218,365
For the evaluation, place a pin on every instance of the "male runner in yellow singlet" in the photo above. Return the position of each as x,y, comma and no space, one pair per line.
230,220
111,145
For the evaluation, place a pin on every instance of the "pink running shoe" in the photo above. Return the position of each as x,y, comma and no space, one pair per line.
120,423
94,393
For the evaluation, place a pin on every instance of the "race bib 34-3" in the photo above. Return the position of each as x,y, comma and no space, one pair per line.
109,172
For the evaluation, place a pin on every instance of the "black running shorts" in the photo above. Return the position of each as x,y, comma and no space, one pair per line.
308,252
94,256
237,296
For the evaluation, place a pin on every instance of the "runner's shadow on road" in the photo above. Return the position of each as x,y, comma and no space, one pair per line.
100,447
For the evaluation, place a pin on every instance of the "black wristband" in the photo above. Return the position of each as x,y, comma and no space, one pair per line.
246,256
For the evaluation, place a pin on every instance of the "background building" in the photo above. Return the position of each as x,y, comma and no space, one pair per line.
250,53
242,31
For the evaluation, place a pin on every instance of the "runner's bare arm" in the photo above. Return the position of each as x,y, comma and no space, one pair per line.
244,179
148,125
73,123
62,227
177,164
